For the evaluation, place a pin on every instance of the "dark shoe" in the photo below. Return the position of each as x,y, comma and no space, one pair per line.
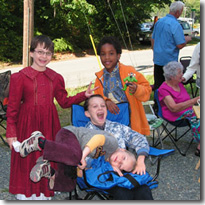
197,152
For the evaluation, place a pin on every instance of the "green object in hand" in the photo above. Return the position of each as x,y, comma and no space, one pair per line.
128,79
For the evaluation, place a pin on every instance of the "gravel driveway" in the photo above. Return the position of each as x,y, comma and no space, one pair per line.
178,179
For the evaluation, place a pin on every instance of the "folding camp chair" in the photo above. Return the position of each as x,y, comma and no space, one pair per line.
185,61
4,92
175,125
79,119
154,122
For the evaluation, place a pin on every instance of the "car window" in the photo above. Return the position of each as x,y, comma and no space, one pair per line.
185,25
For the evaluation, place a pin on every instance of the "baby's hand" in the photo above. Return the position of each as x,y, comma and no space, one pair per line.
140,167
116,169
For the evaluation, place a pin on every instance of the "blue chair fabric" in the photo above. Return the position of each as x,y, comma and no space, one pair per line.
80,120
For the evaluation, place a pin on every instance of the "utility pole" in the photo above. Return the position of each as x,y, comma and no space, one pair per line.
28,28
193,16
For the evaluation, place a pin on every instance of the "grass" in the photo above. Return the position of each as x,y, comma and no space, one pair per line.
193,41
65,114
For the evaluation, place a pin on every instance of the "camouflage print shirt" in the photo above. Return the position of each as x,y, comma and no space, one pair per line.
126,137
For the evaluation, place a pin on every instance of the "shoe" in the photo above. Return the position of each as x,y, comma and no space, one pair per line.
197,152
31,144
41,169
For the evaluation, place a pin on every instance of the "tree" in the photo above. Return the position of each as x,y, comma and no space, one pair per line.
105,17
70,22
193,4
11,30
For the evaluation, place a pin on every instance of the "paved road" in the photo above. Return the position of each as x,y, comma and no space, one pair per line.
80,71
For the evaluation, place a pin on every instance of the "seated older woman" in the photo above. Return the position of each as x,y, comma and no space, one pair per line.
175,100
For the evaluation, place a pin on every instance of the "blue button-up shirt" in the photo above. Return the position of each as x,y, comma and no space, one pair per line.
167,34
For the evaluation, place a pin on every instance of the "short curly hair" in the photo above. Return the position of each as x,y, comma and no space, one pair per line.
171,69
110,40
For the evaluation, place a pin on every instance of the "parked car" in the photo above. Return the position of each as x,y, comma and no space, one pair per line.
145,33
196,32
186,28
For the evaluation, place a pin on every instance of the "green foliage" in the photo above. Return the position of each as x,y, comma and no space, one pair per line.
116,17
11,30
60,45
193,4
194,41
70,22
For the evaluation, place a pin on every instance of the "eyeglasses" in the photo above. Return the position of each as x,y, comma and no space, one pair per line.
42,53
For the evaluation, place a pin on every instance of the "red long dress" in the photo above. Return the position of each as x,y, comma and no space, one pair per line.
31,107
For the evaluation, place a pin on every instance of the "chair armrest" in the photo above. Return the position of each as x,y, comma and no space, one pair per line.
160,152
150,102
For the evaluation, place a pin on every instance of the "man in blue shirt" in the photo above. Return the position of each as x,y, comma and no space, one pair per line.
167,39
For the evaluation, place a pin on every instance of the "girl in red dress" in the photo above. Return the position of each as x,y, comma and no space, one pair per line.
31,107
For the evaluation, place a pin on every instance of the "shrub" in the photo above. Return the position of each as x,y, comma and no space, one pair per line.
60,44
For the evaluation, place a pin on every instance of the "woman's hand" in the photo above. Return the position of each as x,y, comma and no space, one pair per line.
90,91
112,107
196,99
10,141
